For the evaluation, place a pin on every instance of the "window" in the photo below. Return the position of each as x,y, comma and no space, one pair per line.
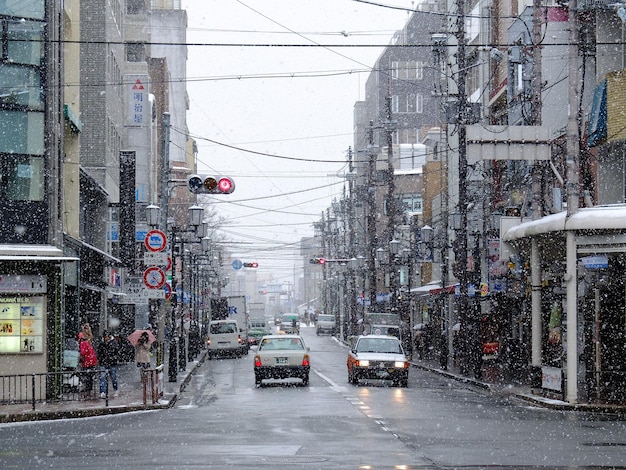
407,70
23,177
136,7
409,103
23,8
411,203
135,52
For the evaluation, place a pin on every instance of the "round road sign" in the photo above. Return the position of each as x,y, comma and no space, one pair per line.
155,240
154,277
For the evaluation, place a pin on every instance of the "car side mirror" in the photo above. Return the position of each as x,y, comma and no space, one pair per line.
308,348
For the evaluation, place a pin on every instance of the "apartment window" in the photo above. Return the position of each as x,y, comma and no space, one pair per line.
409,103
135,52
407,69
411,203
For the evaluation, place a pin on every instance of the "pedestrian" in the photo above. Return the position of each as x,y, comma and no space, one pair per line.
87,333
88,361
142,352
108,355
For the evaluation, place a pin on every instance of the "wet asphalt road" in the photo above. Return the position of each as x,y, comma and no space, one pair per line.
223,421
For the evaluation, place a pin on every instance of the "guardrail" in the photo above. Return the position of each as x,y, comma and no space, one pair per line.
49,387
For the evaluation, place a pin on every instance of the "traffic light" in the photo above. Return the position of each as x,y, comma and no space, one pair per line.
204,184
317,261
251,265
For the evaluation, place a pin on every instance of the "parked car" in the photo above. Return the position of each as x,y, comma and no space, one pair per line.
281,357
378,357
290,323
326,323
225,338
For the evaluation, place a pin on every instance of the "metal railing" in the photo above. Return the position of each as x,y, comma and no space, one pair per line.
49,387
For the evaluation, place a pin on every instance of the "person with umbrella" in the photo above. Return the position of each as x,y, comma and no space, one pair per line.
142,350
108,352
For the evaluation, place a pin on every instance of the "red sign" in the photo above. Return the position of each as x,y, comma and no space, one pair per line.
155,240
154,277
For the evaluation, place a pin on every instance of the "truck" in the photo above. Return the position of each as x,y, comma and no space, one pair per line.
381,323
237,310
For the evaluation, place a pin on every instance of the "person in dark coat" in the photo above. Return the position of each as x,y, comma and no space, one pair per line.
108,354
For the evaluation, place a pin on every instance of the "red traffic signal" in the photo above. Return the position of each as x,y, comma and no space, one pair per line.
317,261
204,184
251,265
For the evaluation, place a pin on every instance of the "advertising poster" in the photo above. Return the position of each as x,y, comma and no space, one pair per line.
21,324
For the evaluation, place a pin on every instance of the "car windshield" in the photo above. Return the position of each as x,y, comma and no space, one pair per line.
281,344
378,345
326,318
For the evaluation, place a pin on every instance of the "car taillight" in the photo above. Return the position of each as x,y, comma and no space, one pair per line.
305,360
208,342
257,361
239,339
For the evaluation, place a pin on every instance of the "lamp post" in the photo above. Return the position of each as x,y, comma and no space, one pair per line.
153,218
178,357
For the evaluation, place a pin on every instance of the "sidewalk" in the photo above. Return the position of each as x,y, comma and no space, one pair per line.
130,398
520,391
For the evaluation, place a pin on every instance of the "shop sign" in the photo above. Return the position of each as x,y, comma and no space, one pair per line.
596,262
23,284
552,378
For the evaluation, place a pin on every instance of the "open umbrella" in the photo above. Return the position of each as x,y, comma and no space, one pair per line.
133,338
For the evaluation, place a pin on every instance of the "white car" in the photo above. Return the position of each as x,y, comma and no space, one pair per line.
281,357
378,357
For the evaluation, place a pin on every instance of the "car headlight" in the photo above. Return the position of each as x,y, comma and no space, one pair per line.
400,364
363,363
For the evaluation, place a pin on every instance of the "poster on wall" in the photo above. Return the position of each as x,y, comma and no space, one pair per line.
22,324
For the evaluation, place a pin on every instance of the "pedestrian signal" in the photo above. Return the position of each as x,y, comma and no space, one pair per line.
202,184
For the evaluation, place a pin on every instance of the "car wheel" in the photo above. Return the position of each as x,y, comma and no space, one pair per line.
404,383
305,380
257,380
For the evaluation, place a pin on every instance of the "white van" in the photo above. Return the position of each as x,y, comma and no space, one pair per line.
225,338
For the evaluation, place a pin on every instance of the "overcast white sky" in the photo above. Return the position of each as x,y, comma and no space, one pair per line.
291,102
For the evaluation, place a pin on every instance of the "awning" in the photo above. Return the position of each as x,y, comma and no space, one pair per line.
38,253
425,289
611,217
111,259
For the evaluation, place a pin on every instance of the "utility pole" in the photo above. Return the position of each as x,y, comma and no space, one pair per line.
371,219
537,206
573,148
467,338
164,201
391,206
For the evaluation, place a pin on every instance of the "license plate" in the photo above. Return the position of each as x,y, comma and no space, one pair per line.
382,373
282,360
